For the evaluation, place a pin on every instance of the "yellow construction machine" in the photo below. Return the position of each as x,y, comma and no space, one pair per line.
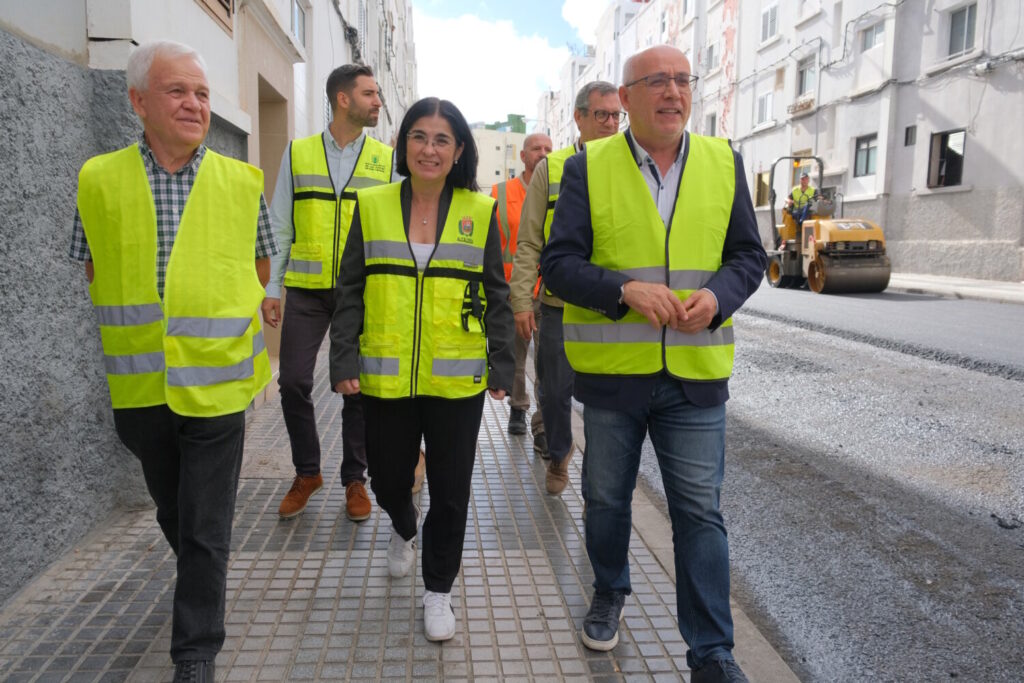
831,255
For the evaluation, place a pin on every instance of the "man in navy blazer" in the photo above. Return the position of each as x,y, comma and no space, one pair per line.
685,416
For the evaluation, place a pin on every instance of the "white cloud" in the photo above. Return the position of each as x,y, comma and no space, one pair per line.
584,15
486,68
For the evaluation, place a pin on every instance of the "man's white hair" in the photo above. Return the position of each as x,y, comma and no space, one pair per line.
141,59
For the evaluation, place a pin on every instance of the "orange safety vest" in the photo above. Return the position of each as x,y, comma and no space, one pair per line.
510,195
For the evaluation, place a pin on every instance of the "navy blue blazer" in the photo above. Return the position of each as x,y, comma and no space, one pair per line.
568,272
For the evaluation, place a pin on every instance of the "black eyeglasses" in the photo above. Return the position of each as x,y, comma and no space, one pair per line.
657,83
602,115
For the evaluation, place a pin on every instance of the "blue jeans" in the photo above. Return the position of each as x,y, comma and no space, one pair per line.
690,445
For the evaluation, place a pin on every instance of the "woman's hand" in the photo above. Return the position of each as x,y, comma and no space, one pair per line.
497,394
347,387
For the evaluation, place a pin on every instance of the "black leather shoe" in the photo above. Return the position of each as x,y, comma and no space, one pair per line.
540,445
517,421
601,625
719,671
193,671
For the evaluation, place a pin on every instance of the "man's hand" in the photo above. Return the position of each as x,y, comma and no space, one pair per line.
526,324
271,308
656,302
701,307
497,394
347,386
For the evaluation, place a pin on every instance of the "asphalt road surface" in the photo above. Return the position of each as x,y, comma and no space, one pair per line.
874,488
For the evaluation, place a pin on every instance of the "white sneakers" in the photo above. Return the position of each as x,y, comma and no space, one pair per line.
402,553
438,616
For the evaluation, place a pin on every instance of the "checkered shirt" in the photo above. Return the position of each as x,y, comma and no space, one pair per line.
170,192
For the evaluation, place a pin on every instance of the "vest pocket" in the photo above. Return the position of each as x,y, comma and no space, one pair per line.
305,264
379,363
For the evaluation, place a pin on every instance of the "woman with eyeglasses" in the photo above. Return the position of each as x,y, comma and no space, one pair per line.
422,328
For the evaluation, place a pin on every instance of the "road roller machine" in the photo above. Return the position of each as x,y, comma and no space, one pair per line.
830,255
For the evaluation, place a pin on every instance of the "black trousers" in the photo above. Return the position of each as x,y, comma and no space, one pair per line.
556,378
449,427
191,466
307,317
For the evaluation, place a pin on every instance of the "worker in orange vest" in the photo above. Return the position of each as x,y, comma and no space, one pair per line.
510,195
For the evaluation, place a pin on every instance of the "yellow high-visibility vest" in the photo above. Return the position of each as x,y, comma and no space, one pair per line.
200,350
556,162
801,197
320,215
422,331
630,238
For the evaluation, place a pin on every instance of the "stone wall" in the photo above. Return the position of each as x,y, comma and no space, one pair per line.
63,468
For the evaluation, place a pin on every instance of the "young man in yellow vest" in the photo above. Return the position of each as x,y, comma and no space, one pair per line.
653,247
182,342
597,114
510,195
311,213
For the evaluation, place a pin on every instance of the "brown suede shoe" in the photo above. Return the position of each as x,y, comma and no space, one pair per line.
357,501
421,473
298,495
557,476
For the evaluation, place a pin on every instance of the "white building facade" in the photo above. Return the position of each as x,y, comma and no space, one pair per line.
499,156
912,105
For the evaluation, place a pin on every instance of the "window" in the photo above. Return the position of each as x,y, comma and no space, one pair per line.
805,75
762,194
910,136
872,36
764,108
769,22
299,22
711,57
711,125
946,161
961,30
221,10
866,155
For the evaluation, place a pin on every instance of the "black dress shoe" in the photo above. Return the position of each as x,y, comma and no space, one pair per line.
193,671
719,671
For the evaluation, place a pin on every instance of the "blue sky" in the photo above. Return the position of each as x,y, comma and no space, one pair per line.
496,58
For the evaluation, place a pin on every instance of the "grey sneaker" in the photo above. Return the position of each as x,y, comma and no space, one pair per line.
601,625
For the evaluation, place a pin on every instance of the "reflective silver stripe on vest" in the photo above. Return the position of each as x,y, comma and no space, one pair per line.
469,255
360,182
205,376
125,316
458,367
688,279
306,180
677,279
378,366
553,189
307,267
649,274
720,337
134,365
210,328
611,333
386,249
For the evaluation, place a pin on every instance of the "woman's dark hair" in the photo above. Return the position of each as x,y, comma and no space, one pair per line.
463,174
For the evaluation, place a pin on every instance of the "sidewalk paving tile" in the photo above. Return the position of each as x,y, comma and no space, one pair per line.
310,599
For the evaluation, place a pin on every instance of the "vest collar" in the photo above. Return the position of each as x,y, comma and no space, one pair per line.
356,144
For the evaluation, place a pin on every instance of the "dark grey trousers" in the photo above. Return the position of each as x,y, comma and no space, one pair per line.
191,466
556,379
307,317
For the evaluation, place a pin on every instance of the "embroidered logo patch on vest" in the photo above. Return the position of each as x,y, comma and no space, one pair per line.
373,164
466,230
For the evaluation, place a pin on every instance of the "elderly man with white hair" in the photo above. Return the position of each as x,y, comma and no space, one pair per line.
176,242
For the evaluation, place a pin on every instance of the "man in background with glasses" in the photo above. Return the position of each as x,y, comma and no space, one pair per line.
653,247
597,115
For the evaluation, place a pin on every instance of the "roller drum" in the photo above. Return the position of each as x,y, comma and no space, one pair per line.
832,275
